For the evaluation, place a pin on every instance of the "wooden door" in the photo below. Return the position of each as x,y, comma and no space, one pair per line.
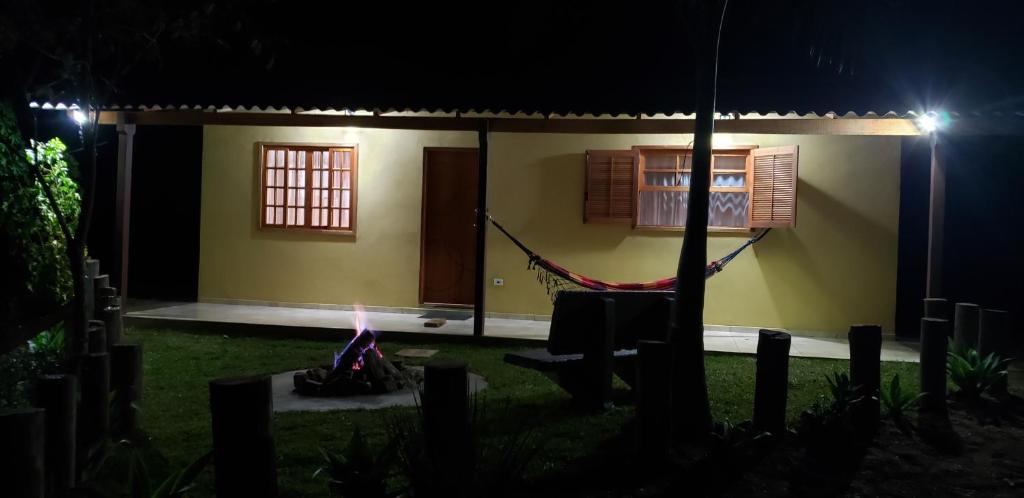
448,247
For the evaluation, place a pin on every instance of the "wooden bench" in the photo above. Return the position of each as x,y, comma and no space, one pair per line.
592,331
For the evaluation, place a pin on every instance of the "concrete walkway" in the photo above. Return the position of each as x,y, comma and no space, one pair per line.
719,339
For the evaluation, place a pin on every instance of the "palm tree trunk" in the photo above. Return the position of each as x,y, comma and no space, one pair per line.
690,407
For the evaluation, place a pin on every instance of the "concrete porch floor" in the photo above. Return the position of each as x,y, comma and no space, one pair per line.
719,339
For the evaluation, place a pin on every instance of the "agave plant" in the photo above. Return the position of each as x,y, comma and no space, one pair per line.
356,471
125,468
897,401
844,393
973,374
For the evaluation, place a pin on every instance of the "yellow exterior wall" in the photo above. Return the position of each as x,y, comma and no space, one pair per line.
836,268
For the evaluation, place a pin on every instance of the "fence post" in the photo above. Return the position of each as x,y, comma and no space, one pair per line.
938,307
865,371
934,334
994,337
126,382
57,394
93,372
771,382
92,270
241,412
446,420
22,458
654,398
965,325
97,336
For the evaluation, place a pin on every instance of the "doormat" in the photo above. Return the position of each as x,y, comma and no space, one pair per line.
448,314
416,353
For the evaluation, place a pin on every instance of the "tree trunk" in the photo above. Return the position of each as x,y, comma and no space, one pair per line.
690,409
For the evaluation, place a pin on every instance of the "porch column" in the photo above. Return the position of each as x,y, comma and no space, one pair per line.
483,136
123,203
936,219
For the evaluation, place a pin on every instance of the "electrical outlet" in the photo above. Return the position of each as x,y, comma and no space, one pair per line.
498,282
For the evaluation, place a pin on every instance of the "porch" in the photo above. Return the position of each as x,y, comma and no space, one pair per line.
407,323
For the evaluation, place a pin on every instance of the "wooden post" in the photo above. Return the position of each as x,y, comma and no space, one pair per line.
446,420
22,457
93,422
126,381
241,411
771,384
937,307
993,332
105,296
654,399
598,354
936,220
123,202
483,139
92,271
965,325
97,336
866,372
934,337
57,394
113,324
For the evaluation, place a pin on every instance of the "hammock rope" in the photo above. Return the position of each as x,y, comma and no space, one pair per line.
556,278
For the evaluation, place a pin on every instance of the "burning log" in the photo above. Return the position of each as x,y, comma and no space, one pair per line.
358,369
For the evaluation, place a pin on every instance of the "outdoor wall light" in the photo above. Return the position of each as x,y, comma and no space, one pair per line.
79,117
931,122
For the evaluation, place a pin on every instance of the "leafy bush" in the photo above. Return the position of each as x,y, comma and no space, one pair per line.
897,401
357,471
127,469
973,374
828,426
22,365
38,275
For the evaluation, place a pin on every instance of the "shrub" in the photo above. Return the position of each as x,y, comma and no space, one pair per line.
897,401
38,275
356,470
973,374
828,426
22,365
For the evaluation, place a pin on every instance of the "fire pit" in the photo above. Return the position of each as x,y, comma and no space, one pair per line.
360,368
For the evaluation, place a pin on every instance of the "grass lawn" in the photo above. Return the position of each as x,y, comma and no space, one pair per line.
178,366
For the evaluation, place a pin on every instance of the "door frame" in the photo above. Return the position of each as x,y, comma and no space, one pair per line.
423,226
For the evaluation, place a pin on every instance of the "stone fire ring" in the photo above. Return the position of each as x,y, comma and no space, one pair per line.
286,400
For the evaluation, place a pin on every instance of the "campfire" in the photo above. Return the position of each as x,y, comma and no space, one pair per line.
359,368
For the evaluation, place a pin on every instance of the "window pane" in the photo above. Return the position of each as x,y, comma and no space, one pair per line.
662,208
316,198
323,217
291,158
279,196
323,178
730,162
302,178
316,217
316,160
728,209
300,198
280,177
291,216
316,180
662,179
323,198
660,161
270,197
730,180
271,158
346,178
302,159
270,216
336,217
280,158
335,198
291,197
270,177
279,215
346,198
336,163
345,221
336,179
325,161
291,177
301,220
346,159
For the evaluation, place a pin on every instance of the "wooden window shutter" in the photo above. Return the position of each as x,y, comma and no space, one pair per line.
610,187
773,203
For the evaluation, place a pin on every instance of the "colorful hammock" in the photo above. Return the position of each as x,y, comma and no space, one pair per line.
556,278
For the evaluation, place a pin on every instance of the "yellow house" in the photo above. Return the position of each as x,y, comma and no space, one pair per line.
339,208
